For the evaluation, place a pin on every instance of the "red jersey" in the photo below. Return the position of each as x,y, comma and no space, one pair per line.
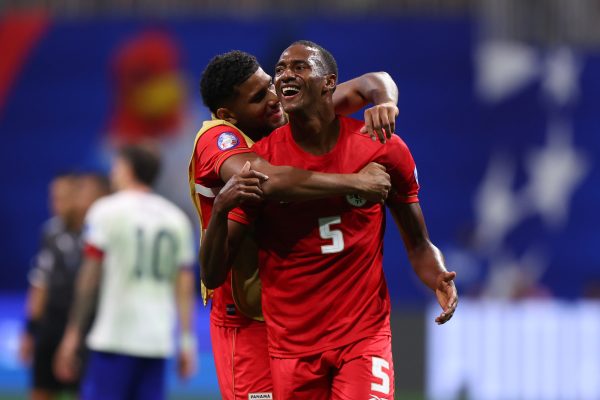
321,261
215,143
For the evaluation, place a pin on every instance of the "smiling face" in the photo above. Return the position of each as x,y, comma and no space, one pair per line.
301,79
255,108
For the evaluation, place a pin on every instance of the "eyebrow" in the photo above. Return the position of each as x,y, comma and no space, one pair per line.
261,92
294,61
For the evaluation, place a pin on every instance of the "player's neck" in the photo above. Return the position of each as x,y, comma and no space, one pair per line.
134,186
317,131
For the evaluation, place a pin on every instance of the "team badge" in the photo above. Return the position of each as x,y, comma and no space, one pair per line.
227,140
260,396
355,200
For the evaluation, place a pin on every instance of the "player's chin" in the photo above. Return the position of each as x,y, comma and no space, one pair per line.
278,122
291,106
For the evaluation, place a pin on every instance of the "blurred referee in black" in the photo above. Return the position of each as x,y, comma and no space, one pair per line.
52,279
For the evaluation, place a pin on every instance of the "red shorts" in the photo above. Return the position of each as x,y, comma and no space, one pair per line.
242,361
362,370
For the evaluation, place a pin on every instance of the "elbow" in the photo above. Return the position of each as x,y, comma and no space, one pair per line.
212,282
212,278
384,76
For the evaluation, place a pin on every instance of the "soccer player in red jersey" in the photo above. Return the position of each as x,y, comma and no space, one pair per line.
324,296
240,96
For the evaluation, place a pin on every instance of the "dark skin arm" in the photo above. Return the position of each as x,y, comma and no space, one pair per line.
289,184
245,186
242,187
373,88
427,261
286,183
220,246
86,291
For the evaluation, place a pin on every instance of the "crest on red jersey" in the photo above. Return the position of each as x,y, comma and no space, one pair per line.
355,200
227,140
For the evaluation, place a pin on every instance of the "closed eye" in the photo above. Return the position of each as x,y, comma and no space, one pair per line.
258,97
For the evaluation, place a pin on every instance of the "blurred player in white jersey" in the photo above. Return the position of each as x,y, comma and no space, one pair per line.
137,260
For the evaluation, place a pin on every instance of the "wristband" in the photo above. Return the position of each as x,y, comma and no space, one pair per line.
187,342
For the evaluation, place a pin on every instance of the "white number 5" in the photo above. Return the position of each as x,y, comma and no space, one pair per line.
378,372
335,235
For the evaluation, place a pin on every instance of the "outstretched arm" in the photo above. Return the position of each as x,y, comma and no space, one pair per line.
426,259
376,88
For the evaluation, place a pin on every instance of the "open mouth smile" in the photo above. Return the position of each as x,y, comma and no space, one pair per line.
289,91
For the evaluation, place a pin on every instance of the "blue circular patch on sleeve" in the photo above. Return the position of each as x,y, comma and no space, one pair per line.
227,140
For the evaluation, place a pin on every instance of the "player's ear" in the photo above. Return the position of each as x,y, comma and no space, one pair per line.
330,82
226,114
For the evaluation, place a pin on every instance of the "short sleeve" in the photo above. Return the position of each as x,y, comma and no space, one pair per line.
42,267
95,231
245,214
186,253
215,146
44,260
399,163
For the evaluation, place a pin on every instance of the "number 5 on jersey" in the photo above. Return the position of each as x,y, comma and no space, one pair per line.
335,235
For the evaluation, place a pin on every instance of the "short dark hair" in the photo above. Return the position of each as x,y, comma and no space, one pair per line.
99,179
145,163
222,74
326,57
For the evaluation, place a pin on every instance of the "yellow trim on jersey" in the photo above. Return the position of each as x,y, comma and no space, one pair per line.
245,289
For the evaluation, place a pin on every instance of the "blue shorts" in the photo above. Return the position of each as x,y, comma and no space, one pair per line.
121,377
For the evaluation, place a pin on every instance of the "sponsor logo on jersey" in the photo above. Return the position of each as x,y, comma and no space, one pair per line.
230,309
355,200
375,397
227,140
260,396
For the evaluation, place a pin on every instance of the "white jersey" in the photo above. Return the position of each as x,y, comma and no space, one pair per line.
145,240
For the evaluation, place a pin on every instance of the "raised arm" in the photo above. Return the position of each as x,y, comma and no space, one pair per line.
427,261
376,88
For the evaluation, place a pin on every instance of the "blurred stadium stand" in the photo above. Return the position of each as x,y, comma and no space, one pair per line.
235,7
498,102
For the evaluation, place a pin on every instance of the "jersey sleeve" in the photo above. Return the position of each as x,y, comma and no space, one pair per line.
242,215
95,233
399,163
42,263
215,146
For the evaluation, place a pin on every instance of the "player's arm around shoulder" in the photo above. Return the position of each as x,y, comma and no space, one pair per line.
426,259
377,88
